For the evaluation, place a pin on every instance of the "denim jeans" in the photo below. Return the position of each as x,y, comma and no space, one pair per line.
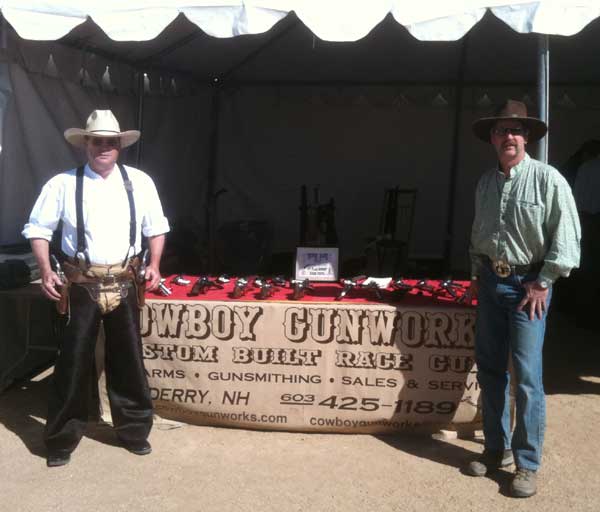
501,332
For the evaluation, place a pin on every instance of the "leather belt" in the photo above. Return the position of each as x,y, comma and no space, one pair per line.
76,275
504,269
108,280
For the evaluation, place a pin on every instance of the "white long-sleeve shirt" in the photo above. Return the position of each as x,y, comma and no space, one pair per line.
105,213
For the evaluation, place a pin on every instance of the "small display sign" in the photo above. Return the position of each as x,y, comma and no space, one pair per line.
317,263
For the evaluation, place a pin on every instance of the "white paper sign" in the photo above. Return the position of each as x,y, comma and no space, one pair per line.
317,263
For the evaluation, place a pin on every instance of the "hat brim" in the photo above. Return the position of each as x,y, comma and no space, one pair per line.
76,136
537,128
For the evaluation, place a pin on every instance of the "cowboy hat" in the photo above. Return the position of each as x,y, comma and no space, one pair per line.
514,111
101,123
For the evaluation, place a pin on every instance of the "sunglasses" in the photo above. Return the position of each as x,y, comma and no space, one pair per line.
503,132
112,142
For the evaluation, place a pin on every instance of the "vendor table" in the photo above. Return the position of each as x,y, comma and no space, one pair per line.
359,365
28,333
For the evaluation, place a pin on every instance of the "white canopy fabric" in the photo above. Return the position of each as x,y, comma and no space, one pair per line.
329,20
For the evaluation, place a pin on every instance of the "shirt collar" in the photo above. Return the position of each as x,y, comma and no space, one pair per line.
514,171
87,171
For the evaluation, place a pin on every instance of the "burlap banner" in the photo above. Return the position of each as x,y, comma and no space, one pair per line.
312,367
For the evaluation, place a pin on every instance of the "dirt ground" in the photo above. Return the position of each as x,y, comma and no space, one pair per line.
218,469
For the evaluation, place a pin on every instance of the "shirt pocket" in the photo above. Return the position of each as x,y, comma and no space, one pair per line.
528,216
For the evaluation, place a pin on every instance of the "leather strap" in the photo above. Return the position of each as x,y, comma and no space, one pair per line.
132,221
81,245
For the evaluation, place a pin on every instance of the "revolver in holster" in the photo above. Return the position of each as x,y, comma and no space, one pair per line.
139,272
62,306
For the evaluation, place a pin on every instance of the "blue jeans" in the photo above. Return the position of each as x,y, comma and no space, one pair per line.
502,330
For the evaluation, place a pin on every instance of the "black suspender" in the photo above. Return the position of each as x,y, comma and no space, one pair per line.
81,243
132,223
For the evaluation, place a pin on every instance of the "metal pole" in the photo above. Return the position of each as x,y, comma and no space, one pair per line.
543,86
454,157
140,117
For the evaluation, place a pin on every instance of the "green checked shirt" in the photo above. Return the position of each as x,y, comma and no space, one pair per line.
529,217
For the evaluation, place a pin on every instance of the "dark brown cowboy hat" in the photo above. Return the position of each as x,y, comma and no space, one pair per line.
515,111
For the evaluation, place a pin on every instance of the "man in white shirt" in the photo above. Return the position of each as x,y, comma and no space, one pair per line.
105,208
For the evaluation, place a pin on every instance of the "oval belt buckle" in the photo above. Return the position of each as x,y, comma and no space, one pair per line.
501,268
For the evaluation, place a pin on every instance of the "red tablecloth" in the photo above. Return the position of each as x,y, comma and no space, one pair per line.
323,292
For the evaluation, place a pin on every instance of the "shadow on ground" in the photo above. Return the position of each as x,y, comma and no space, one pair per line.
23,412
426,447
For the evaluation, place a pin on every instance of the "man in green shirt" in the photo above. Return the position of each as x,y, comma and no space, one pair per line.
525,235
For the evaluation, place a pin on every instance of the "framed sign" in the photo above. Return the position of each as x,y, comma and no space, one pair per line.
317,263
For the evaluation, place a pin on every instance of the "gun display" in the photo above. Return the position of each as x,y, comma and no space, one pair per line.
349,285
399,285
240,288
180,280
266,290
164,289
279,281
448,286
203,284
223,279
299,287
424,286
373,287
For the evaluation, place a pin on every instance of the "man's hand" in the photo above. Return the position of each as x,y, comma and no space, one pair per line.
471,292
536,297
50,283
152,277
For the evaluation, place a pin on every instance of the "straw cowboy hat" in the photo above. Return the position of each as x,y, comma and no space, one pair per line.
101,123
515,111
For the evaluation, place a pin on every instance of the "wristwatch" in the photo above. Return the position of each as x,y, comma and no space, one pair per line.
544,283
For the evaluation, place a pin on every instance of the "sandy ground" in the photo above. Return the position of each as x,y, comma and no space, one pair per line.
208,469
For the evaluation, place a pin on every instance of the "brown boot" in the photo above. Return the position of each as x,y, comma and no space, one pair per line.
489,461
524,483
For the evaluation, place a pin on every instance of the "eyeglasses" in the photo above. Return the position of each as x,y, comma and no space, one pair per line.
503,132
112,142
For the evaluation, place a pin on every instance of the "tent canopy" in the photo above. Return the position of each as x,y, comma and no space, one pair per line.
315,41
354,96
333,20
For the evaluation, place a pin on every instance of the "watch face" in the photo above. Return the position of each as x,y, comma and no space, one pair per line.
544,284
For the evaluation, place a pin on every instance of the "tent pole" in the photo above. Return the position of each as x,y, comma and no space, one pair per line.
543,86
140,117
455,156
211,200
